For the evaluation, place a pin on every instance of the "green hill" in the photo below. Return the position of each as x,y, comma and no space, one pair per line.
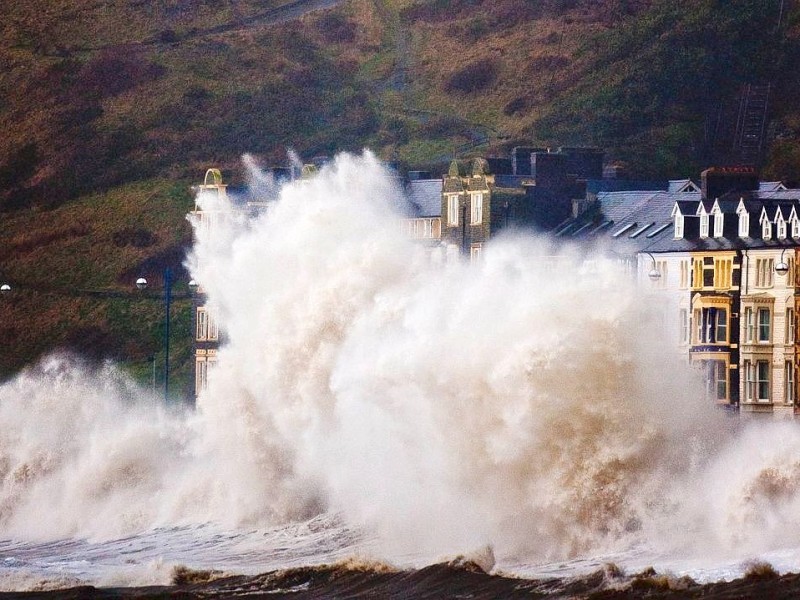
110,112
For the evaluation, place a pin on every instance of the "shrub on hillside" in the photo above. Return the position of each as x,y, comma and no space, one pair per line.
114,71
473,78
336,29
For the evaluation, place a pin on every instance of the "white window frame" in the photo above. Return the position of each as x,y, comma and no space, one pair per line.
796,228
789,391
764,325
766,229
704,225
452,210
781,229
718,225
790,326
678,226
476,208
685,326
749,380
749,325
744,224
762,381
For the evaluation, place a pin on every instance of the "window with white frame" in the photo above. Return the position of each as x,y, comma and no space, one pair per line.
452,210
764,321
790,392
749,380
765,267
718,224
685,326
476,212
716,375
796,228
704,225
744,224
762,381
790,326
766,229
661,267
475,252
781,229
685,274
712,325
206,329
678,226
749,325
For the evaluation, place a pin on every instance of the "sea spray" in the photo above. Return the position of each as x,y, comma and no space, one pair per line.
525,401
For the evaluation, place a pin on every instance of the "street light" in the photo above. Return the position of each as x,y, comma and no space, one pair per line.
782,268
654,273
5,288
141,284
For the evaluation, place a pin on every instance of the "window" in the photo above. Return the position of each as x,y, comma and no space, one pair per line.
781,229
203,366
678,227
685,326
703,226
790,326
766,229
744,224
685,273
789,390
723,267
763,325
712,325
206,325
749,381
765,267
475,252
476,202
762,381
718,223
697,273
716,375
749,326
452,209
661,267
796,228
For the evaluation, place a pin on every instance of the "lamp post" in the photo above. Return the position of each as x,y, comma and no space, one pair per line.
141,284
782,268
654,273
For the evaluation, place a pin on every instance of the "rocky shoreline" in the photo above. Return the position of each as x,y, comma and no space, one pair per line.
463,579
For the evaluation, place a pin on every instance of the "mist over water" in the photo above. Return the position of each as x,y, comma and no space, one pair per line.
525,401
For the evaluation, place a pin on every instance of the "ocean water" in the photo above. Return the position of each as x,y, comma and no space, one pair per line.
374,402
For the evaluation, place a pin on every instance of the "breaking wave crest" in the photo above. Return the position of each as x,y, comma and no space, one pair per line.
525,401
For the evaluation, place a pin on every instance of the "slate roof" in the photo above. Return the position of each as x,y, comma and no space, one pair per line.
641,219
426,197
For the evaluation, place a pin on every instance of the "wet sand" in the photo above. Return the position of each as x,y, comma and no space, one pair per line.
457,581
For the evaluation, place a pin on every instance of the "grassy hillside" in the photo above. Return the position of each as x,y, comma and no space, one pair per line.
111,112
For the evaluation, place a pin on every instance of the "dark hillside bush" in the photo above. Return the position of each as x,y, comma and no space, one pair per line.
114,71
473,78
336,29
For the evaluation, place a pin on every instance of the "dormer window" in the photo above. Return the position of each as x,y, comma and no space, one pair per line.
678,226
781,229
766,229
796,228
718,223
744,224
704,225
